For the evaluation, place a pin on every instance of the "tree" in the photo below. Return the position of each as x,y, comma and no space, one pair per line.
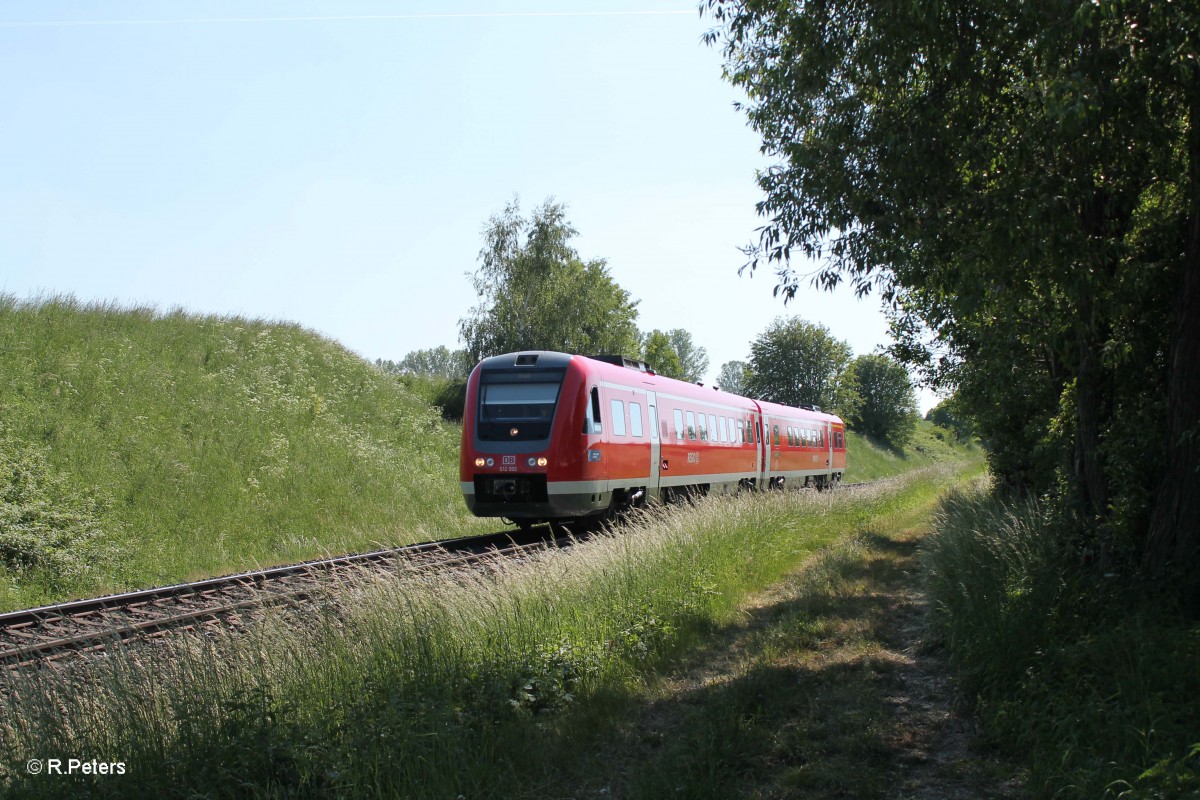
1022,181
693,360
887,405
658,352
734,376
795,362
538,294
948,414
675,355
436,362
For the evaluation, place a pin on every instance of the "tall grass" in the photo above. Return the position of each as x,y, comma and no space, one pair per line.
426,686
181,445
867,461
1093,682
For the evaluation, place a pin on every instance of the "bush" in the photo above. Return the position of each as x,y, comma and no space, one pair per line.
1095,684
45,527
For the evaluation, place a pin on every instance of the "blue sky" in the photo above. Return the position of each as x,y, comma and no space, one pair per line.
259,158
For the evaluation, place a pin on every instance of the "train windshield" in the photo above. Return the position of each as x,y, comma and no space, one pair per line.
517,406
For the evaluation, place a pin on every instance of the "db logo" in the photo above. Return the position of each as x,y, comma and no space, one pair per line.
509,460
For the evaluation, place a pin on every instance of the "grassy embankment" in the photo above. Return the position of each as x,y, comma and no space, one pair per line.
930,445
139,448
480,687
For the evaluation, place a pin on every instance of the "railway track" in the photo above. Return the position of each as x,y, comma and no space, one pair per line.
50,633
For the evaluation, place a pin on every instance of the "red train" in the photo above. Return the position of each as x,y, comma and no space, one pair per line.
555,437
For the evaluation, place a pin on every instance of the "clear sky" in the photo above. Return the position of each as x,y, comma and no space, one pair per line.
333,163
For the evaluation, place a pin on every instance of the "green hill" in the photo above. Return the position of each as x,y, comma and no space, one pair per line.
139,447
930,444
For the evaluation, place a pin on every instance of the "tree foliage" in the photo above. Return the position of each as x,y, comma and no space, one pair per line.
536,293
949,415
734,376
886,407
436,362
795,362
693,359
675,354
658,352
1022,180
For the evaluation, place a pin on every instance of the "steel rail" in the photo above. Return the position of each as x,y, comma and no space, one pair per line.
49,632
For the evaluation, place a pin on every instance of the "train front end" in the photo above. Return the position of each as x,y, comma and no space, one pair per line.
523,457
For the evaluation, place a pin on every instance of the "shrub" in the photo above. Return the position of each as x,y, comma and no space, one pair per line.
45,526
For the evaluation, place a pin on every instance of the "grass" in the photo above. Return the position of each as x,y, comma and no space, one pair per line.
930,444
477,686
1092,678
140,448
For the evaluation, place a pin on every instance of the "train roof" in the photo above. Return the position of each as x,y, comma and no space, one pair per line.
803,413
620,369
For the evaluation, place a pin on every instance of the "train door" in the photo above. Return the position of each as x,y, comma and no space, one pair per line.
760,479
655,446
828,448
765,430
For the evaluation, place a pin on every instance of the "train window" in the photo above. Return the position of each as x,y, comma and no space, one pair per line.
741,429
635,420
618,417
721,427
750,432
596,426
678,425
776,436
654,423
703,429
712,427
691,425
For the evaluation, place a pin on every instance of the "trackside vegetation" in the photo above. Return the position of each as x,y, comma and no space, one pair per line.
1093,682
471,685
139,447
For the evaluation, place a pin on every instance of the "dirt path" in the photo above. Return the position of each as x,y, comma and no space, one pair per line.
824,688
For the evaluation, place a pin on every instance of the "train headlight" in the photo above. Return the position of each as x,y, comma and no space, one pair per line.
479,462
543,461
491,462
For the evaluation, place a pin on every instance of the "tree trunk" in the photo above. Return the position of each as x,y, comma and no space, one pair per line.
1173,542
1091,408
